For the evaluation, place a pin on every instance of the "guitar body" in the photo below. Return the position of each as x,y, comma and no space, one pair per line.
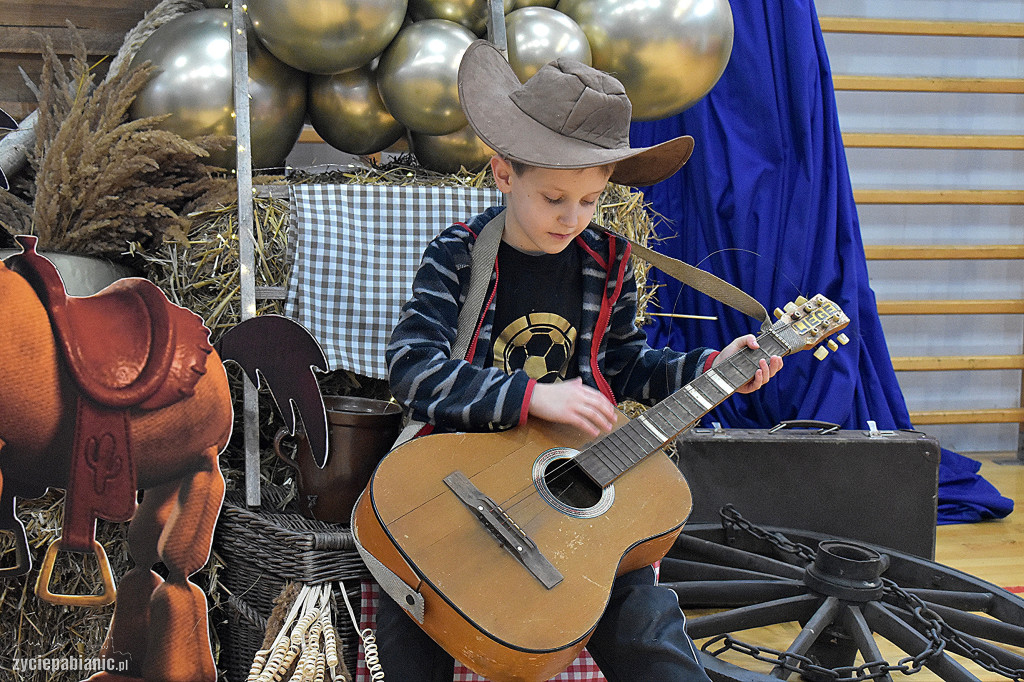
481,603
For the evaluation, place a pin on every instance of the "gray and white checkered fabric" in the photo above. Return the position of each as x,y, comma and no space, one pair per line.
356,251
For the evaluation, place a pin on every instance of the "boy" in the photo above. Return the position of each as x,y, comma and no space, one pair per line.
559,139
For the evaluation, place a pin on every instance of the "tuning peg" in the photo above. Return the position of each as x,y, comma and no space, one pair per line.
821,353
843,339
790,307
832,345
800,300
778,313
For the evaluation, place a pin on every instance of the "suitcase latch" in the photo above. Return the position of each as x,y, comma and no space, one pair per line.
873,431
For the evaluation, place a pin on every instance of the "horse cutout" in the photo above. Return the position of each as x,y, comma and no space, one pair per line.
120,392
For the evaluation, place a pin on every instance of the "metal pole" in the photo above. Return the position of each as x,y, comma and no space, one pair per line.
246,247
496,26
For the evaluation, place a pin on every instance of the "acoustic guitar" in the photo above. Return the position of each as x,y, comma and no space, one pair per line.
510,541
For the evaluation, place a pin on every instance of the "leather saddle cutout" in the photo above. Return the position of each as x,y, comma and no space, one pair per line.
119,344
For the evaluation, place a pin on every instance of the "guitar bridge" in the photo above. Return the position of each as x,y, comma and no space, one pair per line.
508,534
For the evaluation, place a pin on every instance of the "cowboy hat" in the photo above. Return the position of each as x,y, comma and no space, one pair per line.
567,115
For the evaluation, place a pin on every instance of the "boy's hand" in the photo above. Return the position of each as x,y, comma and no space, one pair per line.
766,371
573,403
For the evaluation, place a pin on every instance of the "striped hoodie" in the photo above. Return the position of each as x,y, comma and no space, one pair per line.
455,394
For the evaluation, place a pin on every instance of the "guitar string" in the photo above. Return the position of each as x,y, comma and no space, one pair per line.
530,494
530,491
769,344
609,460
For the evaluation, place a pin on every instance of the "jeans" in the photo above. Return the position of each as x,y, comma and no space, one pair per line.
640,638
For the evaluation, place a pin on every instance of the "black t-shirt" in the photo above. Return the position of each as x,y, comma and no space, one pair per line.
537,312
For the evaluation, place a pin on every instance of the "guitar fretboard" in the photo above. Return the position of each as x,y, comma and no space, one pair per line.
614,454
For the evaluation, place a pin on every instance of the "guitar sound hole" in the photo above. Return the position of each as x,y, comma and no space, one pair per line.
567,482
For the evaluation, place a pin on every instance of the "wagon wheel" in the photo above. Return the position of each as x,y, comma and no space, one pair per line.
827,605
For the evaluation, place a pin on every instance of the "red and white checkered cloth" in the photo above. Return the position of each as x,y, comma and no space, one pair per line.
583,669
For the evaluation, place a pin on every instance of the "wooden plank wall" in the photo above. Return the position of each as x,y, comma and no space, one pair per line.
929,97
102,23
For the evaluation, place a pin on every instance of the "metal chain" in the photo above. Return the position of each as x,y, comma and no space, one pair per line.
731,517
952,638
940,635
803,665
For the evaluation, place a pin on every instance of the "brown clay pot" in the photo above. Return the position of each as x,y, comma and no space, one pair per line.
360,433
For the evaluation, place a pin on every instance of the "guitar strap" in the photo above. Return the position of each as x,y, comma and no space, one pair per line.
701,280
485,252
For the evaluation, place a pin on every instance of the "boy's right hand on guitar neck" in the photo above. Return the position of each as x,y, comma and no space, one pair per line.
573,403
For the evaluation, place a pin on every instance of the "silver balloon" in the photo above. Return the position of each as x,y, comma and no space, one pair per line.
470,13
193,83
667,53
418,76
218,4
347,112
538,35
448,153
326,36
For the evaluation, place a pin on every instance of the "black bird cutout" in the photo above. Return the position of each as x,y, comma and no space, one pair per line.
277,363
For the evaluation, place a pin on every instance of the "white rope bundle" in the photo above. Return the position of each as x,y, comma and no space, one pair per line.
306,645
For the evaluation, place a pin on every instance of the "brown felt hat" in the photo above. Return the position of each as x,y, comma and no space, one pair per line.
568,115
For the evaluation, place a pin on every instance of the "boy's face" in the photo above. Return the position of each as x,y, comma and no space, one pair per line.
547,208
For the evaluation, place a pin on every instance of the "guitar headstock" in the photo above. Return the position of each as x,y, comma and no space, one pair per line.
804,323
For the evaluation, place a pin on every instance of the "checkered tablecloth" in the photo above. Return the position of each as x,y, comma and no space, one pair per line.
356,251
583,669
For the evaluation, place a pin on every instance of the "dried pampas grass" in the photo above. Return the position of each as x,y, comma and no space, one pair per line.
106,185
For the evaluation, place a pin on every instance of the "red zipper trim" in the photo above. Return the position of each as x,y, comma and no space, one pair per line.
594,254
524,413
605,315
710,361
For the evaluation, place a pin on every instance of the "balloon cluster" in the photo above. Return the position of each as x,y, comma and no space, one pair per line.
366,72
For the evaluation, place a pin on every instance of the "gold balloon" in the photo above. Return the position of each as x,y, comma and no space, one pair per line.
347,112
326,36
448,153
193,83
470,13
418,76
538,35
535,3
667,53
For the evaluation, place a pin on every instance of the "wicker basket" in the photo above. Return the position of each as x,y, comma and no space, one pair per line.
263,549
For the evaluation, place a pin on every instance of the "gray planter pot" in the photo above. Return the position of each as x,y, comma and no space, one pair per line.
82,275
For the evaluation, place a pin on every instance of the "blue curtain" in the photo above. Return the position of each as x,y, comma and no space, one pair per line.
765,202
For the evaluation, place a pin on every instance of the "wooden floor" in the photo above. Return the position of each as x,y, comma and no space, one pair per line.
990,550
993,550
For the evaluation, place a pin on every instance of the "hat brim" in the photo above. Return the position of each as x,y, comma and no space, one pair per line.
485,82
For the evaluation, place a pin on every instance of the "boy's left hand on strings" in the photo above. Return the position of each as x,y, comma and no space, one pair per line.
768,368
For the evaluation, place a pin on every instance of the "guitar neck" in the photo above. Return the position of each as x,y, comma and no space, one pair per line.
614,454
